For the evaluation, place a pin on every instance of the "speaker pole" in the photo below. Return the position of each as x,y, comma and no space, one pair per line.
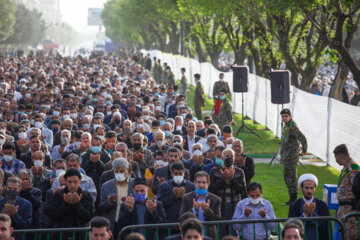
243,128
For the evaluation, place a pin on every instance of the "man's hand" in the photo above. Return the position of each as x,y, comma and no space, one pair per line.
76,197
306,209
129,202
196,205
199,160
233,123
311,209
228,174
68,198
161,180
13,210
21,142
138,156
94,157
205,205
247,211
176,192
151,206
262,213
181,192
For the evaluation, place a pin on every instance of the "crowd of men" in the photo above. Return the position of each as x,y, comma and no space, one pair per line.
114,137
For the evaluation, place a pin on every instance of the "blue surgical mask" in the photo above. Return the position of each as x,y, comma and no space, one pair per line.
201,192
175,93
167,133
222,98
156,94
161,122
183,115
108,102
96,149
139,197
219,161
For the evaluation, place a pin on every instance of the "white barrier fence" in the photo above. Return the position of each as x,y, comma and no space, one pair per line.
325,122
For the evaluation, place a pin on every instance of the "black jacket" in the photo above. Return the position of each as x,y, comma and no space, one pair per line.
94,170
164,172
26,158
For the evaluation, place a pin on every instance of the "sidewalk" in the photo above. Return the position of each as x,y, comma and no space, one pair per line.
304,161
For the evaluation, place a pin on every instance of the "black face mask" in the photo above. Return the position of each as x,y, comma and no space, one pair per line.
228,162
11,194
117,121
137,146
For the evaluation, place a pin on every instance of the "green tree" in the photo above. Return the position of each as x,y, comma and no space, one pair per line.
7,18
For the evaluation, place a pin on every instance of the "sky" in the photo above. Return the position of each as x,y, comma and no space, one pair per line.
74,12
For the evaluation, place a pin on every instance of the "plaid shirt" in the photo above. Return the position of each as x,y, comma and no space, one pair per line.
15,166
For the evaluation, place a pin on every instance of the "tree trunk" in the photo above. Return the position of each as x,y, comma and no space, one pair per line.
174,38
240,54
339,81
202,56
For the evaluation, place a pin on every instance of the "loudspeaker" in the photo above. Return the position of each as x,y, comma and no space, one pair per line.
240,78
280,86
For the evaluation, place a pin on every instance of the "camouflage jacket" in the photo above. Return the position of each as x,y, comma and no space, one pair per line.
199,98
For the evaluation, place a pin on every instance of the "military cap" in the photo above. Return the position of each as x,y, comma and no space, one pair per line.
285,111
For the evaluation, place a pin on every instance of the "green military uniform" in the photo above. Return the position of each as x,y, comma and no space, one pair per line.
156,72
224,116
290,154
142,61
165,77
199,100
171,79
345,197
221,84
183,86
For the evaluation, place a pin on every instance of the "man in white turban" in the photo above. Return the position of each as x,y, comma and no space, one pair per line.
309,206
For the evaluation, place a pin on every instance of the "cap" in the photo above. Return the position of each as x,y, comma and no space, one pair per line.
140,181
196,75
285,111
306,177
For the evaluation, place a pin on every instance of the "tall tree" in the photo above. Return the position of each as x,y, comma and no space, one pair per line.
7,18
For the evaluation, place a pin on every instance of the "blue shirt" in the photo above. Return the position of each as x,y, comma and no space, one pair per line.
260,229
14,167
200,213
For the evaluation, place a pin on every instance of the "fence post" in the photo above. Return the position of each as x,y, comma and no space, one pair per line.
328,131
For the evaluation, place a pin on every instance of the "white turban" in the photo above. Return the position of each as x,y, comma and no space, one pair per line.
308,176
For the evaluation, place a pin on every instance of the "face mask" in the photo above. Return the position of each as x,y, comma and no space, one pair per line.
8,158
139,126
108,113
11,194
73,115
137,146
32,122
64,141
71,95
101,137
65,116
86,126
120,177
176,142
175,93
59,171
178,179
200,192
77,144
55,130
183,115
56,113
255,201
108,102
146,117
96,149
139,197
38,124
228,146
228,162
157,108
159,143
22,135
222,98
27,95
163,94
165,163
197,152
219,161
167,133
96,126
161,122
159,162
156,94
38,163
117,121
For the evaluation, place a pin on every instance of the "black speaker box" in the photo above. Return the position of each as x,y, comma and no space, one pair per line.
240,78
280,86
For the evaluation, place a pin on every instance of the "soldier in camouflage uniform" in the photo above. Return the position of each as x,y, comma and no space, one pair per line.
222,113
183,83
289,152
164,77
171,77
159,71
221,84
199,99
344,193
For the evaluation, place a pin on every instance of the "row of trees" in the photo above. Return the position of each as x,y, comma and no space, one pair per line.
19,26
298,33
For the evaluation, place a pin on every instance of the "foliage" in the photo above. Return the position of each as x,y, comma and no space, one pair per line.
63,34
7,18
29,28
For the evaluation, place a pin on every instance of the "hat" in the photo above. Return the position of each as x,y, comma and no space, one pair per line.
196,75
285,111
306,177
140,181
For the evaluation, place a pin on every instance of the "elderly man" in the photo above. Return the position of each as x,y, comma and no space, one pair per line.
309,206
67,124
114,191
58,150
243,161
9,163
38,170
228,183
35,145
18,208
159,139
142,156
190,139
197,162
73,161
47,133
254,207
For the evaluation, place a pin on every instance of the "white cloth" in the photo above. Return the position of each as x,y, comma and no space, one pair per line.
307,176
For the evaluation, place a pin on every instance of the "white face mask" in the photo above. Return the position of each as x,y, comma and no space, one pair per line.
101,137
157,108
146,117
65,116
228,146
159,162
8,158
197,152
255,201
178,179
38,124
159,143
166,163
59,171
38,163
120,177
73,115
22,135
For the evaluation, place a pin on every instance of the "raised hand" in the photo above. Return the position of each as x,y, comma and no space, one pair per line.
262,213
129,202
196,205
247,211
205,205
151,206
